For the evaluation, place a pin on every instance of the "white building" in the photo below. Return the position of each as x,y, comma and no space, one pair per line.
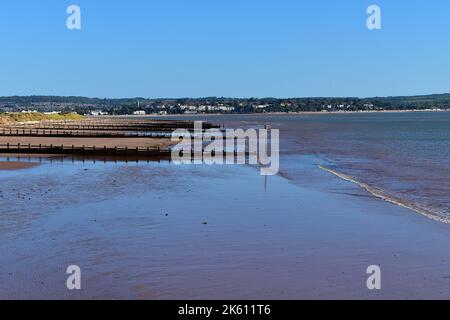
98,113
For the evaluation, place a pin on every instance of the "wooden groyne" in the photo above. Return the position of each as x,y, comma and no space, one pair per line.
96,128
81,133
111,152
100,128
118,125
92,137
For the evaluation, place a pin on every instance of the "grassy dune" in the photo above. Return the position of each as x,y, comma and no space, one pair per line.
10,118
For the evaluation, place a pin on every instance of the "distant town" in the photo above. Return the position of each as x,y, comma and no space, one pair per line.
214,105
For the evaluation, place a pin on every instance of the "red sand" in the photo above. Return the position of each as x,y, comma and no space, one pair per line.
89,141
16,165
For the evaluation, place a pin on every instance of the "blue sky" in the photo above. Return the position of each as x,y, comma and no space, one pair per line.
238,48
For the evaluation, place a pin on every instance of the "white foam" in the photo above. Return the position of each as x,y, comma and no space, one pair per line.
379,194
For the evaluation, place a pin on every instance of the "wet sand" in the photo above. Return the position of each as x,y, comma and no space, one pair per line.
89,141
143,235
11,165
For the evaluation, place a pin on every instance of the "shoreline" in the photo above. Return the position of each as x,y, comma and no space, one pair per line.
378,195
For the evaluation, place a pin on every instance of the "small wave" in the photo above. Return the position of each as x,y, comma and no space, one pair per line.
378,193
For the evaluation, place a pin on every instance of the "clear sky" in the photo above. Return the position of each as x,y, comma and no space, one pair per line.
234,48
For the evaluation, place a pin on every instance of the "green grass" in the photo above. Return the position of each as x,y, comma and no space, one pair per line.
9,118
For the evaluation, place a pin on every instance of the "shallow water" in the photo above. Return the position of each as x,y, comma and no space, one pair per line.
405,156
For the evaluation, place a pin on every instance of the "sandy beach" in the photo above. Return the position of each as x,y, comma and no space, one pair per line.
143,236
91,141
157,230
214,157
